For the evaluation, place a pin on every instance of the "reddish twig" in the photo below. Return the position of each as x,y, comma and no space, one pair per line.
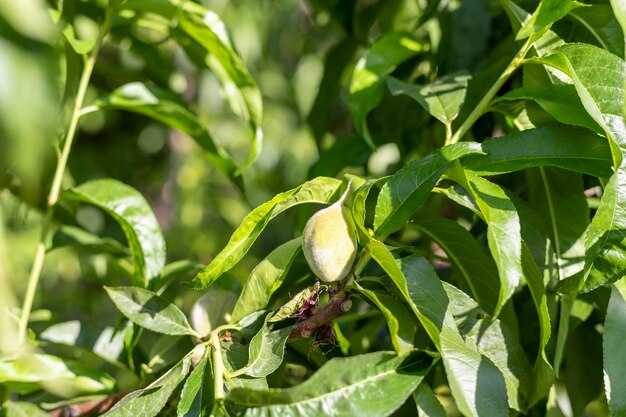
338,305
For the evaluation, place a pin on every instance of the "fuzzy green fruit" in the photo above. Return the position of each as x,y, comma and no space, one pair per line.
329,242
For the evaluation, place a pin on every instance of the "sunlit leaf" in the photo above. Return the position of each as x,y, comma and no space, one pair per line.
371,385
131,210
318,190
150,311
408,188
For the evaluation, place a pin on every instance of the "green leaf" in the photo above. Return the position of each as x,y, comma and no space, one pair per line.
399,320
570,148
294,304
367,85
560,100
267,348
614,340
548,12
149,401
356,207
442,98
477,385
503,233
150,311
60,377
211,310
196,398
602,94
477,269
318,190
170,109
371,385
601,26
494,340
265,279
22,409
207,30
427,403
408,188
75,237
130,209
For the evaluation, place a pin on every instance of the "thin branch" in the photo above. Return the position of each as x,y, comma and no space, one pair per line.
89,408
338,305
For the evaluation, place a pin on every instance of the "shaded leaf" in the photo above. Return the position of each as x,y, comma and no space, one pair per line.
399,320
150,311
75,237
601,25
267,348
560,100
265,279
371,385
318,190
367,85
211,310
130,209
442,98
196,397
427,403
408,188
477,269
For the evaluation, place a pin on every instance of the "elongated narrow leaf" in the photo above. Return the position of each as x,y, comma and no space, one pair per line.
548,12
564,147
267,348
477,385
602,94
265,279
408,188
614,340
491,335
367,85
196,398
442,98
128,207
207,30
357,208
427,403
149,401
399,320
318,190
371,385
477,269
560,100
503,233
170,109
150,310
